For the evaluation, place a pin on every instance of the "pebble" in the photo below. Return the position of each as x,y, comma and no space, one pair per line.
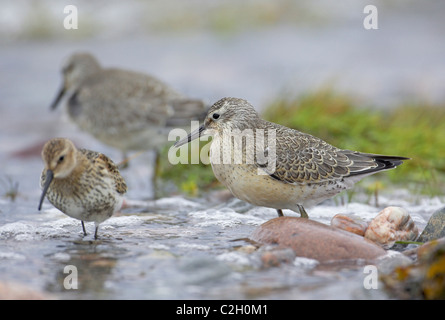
315,240
425,250
424,279
16,291
435,227
390,225
351,223
276,257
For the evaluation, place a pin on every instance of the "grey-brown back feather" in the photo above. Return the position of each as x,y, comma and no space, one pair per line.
103,163
303,158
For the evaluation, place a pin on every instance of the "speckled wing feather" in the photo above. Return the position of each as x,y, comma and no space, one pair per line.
302,158
107,167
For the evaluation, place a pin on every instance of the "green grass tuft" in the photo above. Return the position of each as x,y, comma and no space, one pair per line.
188,176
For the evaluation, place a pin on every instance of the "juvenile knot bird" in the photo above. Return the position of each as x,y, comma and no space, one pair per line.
127,110
83,184
267,164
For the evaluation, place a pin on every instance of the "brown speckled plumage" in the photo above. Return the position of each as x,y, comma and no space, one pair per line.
81,183
307,169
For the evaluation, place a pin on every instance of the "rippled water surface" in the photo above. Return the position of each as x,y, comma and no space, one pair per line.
178,248
172,248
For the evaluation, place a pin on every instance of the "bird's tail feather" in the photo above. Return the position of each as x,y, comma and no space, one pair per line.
367,163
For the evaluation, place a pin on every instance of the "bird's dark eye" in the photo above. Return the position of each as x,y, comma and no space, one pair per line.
215,116
61,158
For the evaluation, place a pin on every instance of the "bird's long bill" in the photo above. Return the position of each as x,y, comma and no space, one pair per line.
48,179
58,97
192,136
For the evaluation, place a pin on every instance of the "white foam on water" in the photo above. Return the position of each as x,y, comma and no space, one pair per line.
158,246
11,256
225,218
35,230
123,221
234,257
305,263
176,202
193,246
16,230
61,256
164,203
268,213
324,213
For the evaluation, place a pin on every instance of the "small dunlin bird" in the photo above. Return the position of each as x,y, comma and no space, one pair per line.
306,170
83,184
127,110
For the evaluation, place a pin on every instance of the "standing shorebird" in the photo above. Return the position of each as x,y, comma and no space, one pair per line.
83,184
283,168
127,110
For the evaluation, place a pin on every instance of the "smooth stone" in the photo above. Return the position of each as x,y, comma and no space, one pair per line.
315,240
435,228
424,279
17,291
390,225
425,250
350,223
276,257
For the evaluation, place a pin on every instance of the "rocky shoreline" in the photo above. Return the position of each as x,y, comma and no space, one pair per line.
418,274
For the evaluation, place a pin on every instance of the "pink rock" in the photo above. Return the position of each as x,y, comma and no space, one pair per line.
16,291
390,225
350,223
315,240
274,258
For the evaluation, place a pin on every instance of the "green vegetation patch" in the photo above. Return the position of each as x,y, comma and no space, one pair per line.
190,176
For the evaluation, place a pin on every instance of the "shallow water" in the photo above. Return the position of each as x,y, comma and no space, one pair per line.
172,248
177,248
